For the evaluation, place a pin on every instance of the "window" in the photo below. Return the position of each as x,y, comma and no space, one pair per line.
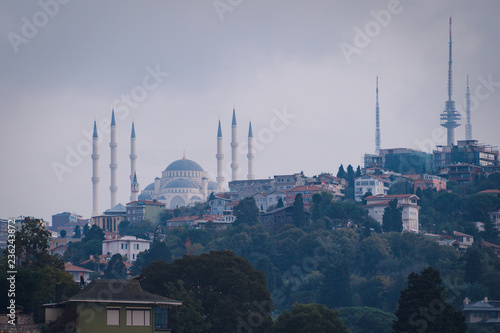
138,318
113,316
161,318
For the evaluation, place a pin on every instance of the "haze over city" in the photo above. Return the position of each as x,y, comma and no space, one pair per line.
315,62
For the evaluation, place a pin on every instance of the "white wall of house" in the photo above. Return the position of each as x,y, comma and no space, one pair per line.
365,184
128,246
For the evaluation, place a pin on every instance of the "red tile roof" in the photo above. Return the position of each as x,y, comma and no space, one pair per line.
183,218
459,234
391,196
69,267
493,191
304,188
491,245
379,203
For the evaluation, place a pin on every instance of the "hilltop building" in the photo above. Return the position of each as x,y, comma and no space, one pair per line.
466,151
408,202
182,183
369,184
126,246
400,160
144,210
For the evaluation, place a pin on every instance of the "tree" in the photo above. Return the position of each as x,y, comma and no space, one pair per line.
490,233
158,250
280,203
86,229
358,172
473,268
422,306
341,173
232,293
189,316
298,215
309,318
367,320
392,219
38,271
32,245
62,233
336,291
77,233
350,175
246,212
366,195
401,186
94,233
115,268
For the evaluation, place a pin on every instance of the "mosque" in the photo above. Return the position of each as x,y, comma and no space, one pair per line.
182,183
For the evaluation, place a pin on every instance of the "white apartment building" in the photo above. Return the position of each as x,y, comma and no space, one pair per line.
376,205
127,246
368,183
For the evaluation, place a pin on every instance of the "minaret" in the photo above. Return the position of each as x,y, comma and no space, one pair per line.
113,165
95,172
133,158
377,124
468,126
220,161
234,148
134,188
450,118
250,154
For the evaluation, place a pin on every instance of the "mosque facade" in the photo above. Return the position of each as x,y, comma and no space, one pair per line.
182,183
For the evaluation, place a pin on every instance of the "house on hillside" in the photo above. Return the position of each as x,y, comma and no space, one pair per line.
376,205
115,306
80,275
484,311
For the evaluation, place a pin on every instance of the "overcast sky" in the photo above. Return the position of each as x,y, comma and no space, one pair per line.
303,71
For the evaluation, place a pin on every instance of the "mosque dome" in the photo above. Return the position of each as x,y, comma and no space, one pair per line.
145,196
212,186
150,187
181,183
184,165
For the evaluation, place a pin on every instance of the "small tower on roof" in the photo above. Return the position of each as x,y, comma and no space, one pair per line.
134,188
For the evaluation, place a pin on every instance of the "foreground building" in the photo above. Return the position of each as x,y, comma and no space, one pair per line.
115,306
484,311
